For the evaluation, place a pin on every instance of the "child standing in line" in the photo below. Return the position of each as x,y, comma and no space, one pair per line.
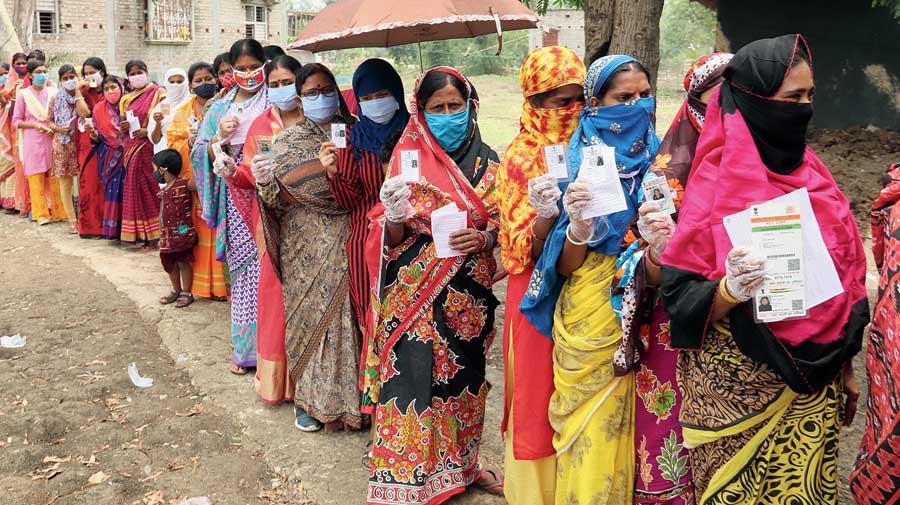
177,234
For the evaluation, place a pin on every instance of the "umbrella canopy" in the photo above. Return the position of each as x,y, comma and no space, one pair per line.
384,23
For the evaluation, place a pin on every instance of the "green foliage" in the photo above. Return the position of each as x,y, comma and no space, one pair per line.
893,5
541,6
687,31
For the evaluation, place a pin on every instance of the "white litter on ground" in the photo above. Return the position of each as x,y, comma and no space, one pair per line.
12,342
136,379
198,500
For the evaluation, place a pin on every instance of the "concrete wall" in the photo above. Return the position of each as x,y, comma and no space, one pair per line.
114,31
855,50
570,26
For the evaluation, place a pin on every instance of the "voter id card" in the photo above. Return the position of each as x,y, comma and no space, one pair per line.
339,135
264,148
409,165
555,156
656,190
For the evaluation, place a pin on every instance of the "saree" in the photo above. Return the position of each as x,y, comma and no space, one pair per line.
90,191
433,321
230,211
305,234
591,409
209,273
140,196
110,165
875,478
529,387
662,460
748,387
7,161
16,182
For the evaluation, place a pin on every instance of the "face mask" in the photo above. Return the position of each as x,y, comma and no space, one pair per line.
70,85
380,110
284,97
205,90
449,129
113,96
2,80
321,109
39,79
160,178
137,81
176,92
227,81
21,70
250,81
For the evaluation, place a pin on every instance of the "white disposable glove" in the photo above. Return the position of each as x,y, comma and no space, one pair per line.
656,228
744,275
543,193
394,196
224,166
577,197
263,169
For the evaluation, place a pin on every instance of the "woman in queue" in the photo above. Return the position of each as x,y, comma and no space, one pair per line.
209,273
763,403
110,143
140,194
64,152
228,209
178,92
569,294
13,186
552,80
433,315
90,192
305,233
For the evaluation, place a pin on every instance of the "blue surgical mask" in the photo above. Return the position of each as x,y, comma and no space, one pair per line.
380,110
321,109
39,79
2,80
449,129
284,97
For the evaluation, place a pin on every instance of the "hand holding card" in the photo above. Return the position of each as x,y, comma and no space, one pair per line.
339,135
409,165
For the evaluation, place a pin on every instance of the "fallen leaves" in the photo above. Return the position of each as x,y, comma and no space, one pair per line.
196,410
98,478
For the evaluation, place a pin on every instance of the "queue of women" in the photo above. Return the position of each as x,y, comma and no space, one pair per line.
635,371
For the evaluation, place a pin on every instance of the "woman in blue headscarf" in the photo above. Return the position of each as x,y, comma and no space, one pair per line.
356,173
568,298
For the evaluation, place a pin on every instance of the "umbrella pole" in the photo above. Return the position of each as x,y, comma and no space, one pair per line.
421,61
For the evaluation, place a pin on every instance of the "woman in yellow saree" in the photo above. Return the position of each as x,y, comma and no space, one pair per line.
591,410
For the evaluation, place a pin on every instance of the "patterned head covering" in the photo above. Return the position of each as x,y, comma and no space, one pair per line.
704,74
549,68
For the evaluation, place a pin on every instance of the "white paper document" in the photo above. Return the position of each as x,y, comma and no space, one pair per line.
777,236
409,165
339,135
445,221
598,168
822,282
555,156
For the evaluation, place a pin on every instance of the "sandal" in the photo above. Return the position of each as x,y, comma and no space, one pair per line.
170,298
184,299
147,248
367,457
489,482
238,370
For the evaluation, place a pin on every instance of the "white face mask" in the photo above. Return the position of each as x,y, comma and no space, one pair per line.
380,110
175,92
70,85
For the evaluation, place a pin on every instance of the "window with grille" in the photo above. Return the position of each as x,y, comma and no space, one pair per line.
46,17
169,21
257,22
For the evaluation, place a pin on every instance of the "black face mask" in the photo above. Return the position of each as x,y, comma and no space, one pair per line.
160,178
778,129
205,90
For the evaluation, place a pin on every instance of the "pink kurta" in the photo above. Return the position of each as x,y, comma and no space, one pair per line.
37,145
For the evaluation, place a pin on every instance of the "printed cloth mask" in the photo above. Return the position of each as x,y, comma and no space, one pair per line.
321,109
380,110
137,81
284,97
39,79
227,81
205,90
252,80
70,85
21,70
449,129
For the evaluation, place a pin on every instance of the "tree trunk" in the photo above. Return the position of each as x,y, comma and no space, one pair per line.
23,12
8,35
623,27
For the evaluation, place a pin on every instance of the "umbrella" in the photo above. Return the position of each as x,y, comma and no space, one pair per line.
349,24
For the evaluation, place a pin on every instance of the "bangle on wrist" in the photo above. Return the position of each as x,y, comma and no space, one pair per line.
572,240
649,257
726,295
534,233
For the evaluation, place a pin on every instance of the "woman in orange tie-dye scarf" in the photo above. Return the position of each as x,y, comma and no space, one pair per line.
551,80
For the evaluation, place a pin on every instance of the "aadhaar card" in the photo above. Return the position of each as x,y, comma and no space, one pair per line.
598,167
656,190
778,238
409,165
339,135
555,156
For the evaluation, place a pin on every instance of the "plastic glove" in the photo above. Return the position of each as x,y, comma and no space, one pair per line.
744,275
395,198
263,169
656,228
224,166
578,196
543,193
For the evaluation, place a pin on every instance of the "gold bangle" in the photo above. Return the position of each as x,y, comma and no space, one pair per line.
723,290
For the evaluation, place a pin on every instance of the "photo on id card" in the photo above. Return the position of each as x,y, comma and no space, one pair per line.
656,190
777,237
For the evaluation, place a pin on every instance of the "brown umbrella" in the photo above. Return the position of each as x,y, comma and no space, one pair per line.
384,23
